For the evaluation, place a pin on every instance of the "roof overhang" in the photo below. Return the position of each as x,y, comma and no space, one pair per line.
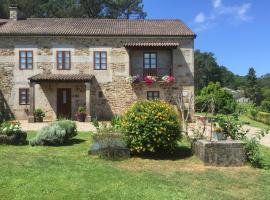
45,77
167,45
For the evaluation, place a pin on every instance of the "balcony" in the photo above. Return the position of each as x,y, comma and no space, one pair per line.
158,72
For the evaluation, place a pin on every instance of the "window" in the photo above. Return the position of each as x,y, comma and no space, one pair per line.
26,59
24,96
63,60
150,60
152,95
100,60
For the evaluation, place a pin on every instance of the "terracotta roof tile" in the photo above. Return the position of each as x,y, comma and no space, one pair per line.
95,27
151,44
61,77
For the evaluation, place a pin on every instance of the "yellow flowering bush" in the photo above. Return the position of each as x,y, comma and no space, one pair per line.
151,126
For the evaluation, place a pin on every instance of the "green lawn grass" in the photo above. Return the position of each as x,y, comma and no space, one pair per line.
68,172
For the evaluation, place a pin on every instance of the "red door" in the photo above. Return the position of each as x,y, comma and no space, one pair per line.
64,103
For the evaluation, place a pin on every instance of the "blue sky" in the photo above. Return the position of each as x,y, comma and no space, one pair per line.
236,31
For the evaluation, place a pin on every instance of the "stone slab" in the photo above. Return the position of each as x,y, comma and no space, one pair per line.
220,153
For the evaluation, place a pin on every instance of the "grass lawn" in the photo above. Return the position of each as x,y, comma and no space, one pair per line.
67,172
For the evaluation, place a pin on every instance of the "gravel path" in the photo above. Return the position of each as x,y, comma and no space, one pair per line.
252,131
81,126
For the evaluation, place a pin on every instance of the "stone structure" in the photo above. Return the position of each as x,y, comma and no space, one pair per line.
220,153
108,93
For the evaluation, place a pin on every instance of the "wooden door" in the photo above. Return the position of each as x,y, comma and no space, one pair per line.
64,103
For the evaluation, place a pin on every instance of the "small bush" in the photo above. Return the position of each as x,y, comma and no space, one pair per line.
116,121
263,117
109,143
11,133
265,106
56,133
151,126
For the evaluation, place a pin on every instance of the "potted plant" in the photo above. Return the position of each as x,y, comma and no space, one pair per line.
81,114
39,114
218,134
134,79
168,79
149,80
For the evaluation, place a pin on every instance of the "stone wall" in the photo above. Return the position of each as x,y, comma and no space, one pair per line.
110,93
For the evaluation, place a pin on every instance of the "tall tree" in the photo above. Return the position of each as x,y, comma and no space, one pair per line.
94,8
126,9
252,89
75,8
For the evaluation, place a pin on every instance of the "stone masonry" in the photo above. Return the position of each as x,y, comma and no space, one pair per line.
110,91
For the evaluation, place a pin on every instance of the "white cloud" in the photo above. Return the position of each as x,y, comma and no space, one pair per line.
221,13
200,18
216,3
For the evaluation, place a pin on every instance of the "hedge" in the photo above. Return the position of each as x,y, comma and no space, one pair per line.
263,117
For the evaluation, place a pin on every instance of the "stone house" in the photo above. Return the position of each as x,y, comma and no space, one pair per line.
60,64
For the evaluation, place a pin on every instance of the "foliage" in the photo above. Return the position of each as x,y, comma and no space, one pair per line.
116,121
95,123
108,142
263,117
252,90
39,113
56,133
265,106
81,109
207,70
124,9
223,101
252,148
10,128
149,80
231,126
168,79
134,79
244,108
151,126
11,133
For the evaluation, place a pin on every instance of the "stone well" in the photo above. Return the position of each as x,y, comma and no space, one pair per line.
220,153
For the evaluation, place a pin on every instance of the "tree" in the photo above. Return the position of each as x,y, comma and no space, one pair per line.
126,9
252,90
75,8
223,101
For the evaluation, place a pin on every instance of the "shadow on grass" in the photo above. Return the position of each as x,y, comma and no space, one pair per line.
180,152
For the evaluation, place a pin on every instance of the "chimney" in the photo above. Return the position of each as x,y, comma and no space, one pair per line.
13,12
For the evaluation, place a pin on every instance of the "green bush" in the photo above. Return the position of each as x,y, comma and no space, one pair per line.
223,101
11,133
231,126
263,117
56,133
244,108
265,106
116,121
109,143
151,126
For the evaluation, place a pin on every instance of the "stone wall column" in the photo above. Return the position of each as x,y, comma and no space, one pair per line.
31,118
88,101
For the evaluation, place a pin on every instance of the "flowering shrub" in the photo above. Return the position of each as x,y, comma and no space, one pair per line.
133,79
151,126
10,128
168,79
11,133
150,80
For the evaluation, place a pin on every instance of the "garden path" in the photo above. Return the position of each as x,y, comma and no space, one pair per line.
81,126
